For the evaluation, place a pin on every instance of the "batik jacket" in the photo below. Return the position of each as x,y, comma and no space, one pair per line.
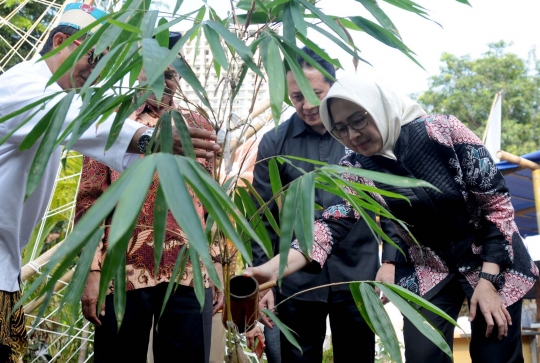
467,221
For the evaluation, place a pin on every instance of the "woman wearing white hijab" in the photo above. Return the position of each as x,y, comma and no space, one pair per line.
469,244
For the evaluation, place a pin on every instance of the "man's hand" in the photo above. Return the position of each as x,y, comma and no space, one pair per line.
89,298
266,301
203,142
385,274
491,307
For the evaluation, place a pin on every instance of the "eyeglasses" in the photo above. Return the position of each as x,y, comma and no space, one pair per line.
92,60
358,124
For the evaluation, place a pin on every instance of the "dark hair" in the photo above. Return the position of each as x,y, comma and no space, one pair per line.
328,67
48,46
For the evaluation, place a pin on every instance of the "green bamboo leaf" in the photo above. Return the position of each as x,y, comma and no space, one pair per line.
240,81
415,299
275,179
38,130
181,206
166,133
127,108
135,72
229,37
198,283
75,288
276,83
370,189
160,225
303,227
177,6
394,180
100,67
256,222
267,212
373,7
41,102
380,321
298,18
183,132
325,18
149,23
287,220
384,36
261,6
119,296
180,264
187,74
217,204
339,42
283,328
357,296
409,6
111,33
319,51
289,31
299,75
176,20
420,322
47,144
200,15
162,37
152,57
292,48
130,205
215,46
311,161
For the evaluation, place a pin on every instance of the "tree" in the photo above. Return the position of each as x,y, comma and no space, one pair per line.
465,88
248,38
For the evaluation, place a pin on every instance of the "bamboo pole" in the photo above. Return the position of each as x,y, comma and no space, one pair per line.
34,304
33,267
257,111
536,189
514,159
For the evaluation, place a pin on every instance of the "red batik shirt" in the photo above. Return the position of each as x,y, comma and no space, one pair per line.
140,265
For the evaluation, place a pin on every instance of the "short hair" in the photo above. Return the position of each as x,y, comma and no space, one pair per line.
48,46
326,65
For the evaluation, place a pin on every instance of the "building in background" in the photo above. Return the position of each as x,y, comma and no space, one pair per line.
199,57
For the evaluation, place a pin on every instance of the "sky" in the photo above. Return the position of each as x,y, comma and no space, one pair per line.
464,30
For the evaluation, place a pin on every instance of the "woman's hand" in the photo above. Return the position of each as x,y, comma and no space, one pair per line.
385,274
486,297
270,270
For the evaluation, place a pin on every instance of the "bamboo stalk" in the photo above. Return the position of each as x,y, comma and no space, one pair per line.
30,268
514,159
34,304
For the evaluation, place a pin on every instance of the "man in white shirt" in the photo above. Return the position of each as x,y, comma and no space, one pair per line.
22,85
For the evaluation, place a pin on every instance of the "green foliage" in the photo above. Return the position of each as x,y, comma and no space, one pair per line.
465,88
24,19
129,36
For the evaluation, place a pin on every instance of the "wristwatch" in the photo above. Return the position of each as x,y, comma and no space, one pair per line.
144,139
497,280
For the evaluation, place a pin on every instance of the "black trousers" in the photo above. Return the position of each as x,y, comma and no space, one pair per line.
419,349
352,339
182,334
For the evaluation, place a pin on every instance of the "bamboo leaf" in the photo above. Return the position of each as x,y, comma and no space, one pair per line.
166,133
269,216
306,211
177,6
283,328
119,296
380,15
357,296
328,21
420,322
183,132
180,264
162,36
47,144
181,206
394,180
229,37
251,212
289,31
274,65
298,18
287,220
149,23
319,51
380,321
160,225
215,46
198,283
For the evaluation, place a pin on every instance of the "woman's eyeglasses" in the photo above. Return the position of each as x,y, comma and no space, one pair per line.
341,131
92,60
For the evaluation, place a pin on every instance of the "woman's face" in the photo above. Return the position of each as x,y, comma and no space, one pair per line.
363,137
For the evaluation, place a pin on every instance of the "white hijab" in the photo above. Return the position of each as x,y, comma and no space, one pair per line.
389,110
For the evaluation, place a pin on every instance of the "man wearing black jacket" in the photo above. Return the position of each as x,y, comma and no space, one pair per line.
357,257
